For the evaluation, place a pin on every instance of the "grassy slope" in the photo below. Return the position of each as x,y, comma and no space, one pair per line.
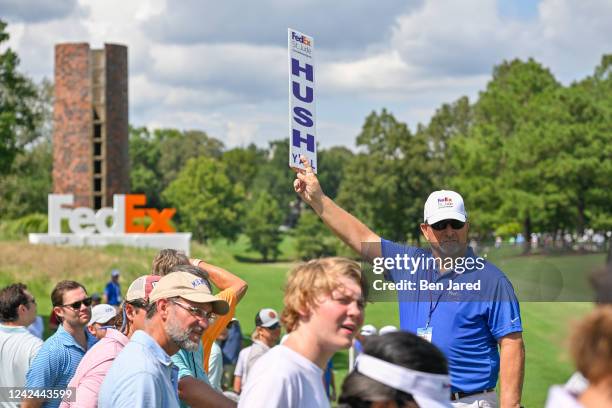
546,324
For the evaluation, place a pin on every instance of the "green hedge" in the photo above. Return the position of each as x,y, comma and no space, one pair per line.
21,227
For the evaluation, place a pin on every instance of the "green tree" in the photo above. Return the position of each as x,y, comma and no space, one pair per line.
312,237
275,177
24,188
497,188
17,95
387,184
449,121
332,164
243,164
208,204
176,147
145,176
261,225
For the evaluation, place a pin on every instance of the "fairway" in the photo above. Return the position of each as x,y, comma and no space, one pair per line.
546,324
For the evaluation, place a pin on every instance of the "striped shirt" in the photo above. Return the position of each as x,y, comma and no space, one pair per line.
56,362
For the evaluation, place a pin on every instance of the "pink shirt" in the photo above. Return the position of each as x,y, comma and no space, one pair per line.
93,368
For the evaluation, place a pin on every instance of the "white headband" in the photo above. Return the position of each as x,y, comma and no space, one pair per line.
418,383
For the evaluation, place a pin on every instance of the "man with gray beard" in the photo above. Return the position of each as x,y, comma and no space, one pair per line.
143,375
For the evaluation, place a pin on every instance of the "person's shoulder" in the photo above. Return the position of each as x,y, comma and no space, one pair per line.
287,363
490,268
558,397
243,354
391,248
133,357
181,358
54,343
28,340
104,349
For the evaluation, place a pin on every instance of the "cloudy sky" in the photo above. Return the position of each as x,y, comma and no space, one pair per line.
221,66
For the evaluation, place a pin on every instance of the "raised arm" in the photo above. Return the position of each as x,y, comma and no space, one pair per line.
222,278
344,225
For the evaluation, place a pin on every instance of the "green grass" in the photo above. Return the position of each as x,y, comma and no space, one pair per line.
546,324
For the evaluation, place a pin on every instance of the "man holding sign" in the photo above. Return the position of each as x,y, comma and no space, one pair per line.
468,332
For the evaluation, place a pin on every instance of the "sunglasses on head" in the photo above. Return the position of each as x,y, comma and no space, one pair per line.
441,225
77,305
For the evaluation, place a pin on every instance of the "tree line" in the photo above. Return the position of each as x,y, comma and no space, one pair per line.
529,155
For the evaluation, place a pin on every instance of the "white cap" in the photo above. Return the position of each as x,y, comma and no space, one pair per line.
428,389
444,205
266,318
387,329
102,313
368,330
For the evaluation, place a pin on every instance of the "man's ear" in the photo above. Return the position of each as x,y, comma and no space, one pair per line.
21,309
59,312
424,231
91,330
305,312
163,308
130,311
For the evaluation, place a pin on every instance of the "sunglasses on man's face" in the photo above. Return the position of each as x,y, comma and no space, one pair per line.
77,305
441,225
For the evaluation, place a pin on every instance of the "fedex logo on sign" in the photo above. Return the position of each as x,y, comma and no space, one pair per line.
300,38
445,202
84,221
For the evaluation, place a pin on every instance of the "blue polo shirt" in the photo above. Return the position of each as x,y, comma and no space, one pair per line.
465,324
141,376
56,362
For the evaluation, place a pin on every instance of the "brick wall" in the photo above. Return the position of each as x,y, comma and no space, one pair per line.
73,123
117,158
72,149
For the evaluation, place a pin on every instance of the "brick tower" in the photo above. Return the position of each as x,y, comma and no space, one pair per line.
90,116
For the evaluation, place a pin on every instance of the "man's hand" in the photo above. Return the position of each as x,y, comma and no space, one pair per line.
307,186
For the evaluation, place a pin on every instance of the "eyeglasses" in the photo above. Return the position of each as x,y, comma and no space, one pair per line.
77,305
273,327
441,225
197,312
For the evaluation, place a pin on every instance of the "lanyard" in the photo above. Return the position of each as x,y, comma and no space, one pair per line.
432,306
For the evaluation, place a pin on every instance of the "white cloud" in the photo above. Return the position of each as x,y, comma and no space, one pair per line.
222,66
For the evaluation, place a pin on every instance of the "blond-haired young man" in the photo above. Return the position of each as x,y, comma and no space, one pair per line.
324,309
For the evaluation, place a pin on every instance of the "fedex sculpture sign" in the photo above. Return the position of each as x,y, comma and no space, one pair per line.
302,117
93,228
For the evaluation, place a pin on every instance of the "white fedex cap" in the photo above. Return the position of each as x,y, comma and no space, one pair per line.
444,205
102,313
